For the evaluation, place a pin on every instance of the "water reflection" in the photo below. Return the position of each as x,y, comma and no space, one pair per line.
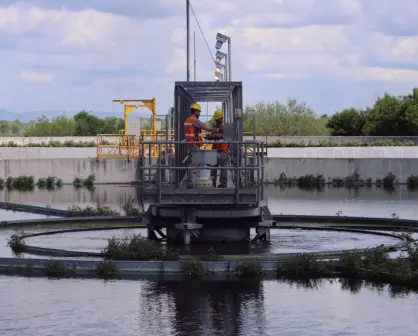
354,286
206,308
352,202
90,307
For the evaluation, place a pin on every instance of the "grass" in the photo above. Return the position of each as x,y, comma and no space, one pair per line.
137,248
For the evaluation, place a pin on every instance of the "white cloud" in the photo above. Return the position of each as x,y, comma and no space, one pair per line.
36,77
109,50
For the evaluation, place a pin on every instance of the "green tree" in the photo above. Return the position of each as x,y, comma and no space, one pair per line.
112,125
292,118
4,127
60,126
393,116
87,124
348,122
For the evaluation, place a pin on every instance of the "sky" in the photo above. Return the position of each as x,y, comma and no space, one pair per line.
81,54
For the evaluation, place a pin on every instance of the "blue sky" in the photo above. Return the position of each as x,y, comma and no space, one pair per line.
80,54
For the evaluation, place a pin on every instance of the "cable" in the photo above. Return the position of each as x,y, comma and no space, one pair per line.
201,31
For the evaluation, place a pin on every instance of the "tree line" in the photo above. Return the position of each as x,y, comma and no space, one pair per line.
81,124
389,116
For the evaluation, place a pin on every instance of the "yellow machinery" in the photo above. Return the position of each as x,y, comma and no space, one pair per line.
124,145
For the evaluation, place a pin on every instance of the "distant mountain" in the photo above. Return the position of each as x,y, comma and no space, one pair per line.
28,116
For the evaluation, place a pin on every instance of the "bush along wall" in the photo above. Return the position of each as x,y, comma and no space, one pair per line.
377,143
53,143
274,144
318,181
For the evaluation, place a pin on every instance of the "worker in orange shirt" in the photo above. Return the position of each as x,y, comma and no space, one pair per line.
223,150
193,128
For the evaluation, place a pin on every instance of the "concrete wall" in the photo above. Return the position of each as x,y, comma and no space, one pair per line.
22,153
8,153
394,152
122,170
334,139
68,163
368,167
284,139
106,170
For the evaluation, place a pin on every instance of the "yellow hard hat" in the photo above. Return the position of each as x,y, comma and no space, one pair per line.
218,114
196,106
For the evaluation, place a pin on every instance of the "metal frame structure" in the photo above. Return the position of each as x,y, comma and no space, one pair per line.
188,214
187,93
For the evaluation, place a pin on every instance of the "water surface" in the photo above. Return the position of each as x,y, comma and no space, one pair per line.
91,307
355,202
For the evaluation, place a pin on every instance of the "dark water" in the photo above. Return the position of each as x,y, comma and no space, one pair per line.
91,307
362,202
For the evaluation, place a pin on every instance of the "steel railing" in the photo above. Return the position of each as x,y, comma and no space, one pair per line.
163,178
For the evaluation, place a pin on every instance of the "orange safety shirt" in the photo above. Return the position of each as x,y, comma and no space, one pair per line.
191,132
221,147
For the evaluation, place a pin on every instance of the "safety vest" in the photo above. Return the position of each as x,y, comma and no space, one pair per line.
221,147
192,133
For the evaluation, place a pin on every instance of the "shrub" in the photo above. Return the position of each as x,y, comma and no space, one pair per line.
136,248
16,241
106,270
88,211
55,269
250,269
193,269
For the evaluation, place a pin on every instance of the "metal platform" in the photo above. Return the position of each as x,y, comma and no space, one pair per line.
163,182
187,214
167,195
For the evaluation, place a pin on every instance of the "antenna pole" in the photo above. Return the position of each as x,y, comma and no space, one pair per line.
188,38
194,55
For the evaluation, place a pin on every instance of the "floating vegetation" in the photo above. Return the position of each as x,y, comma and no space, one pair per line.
137,248
16,241
49,183
412,182
22,183
318,181
86,182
